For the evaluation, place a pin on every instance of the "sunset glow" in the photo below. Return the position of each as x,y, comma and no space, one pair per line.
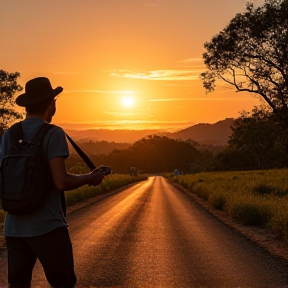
122,62
127,102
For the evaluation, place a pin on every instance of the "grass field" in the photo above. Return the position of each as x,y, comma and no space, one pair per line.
111,182
251,198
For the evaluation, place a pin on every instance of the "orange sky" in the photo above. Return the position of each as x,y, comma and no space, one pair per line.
101,51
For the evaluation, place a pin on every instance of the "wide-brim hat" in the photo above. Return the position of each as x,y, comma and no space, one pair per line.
37,90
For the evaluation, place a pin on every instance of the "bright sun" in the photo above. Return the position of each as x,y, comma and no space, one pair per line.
127,102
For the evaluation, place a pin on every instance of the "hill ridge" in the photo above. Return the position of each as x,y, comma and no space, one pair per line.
204,133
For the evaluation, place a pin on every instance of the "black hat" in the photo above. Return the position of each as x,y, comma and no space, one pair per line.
37,90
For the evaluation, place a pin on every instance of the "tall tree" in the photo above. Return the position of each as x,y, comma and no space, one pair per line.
251,54
8,88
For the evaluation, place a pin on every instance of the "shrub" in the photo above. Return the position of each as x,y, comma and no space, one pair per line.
281,192
201,192
218,200
250,211
263,189
279,223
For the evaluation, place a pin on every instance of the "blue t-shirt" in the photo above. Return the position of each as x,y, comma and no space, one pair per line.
50,216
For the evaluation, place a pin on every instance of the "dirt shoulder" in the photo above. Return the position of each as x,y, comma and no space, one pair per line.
258,235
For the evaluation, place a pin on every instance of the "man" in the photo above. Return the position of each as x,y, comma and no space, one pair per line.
43,234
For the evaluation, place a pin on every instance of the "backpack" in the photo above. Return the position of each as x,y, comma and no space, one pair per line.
25,177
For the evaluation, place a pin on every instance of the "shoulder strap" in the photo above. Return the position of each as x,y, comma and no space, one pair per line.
81,153
16,132
39,135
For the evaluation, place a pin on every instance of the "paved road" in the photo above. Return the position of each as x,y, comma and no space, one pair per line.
152,235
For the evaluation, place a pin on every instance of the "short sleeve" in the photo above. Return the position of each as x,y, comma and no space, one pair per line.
56,143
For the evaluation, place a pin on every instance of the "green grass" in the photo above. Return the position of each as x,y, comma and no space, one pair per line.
251,197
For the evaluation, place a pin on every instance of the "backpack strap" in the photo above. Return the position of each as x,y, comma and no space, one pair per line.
40,133
16,132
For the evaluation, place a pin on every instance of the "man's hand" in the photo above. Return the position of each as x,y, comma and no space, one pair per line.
64,181
97,177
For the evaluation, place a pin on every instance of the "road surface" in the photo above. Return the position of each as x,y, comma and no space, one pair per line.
153,235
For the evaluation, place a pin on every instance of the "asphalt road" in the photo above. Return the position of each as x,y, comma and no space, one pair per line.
153,235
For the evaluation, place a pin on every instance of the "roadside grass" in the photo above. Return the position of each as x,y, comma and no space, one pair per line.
257,198
110,183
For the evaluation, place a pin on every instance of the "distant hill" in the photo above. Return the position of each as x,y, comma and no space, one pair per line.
118,136
98,147
216,134
206,134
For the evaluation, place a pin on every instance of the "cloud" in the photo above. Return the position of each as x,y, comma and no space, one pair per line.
160,75
119,113
191,60
152,124
101,91
200,99
139,112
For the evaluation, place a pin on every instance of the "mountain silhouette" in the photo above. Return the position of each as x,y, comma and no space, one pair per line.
216,134
207,134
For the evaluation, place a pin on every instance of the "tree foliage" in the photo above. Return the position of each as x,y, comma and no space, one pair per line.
251,54
154,154
257,142
8,88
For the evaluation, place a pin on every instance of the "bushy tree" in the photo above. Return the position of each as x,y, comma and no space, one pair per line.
256,142
250,54
8,88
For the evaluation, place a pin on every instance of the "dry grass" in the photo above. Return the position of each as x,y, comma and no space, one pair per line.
250,197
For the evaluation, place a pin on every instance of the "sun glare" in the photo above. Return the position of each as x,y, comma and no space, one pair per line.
127,102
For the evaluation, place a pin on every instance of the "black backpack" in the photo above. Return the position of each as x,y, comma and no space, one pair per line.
25,177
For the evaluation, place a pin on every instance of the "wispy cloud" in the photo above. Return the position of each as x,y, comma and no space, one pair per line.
189,69
200,99
138,112
102,91
191,60
128,124
119,113
160,75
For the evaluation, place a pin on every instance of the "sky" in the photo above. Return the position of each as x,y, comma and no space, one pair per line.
123,64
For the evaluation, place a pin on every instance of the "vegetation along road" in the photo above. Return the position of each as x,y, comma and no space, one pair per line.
153,235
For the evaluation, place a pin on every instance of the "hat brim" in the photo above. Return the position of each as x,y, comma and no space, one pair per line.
25,100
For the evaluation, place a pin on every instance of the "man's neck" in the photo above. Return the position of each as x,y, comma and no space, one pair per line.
40,116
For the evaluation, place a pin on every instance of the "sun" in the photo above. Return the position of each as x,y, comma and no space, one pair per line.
127,102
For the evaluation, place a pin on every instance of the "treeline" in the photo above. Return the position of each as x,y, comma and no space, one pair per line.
99,147
153,154
259,141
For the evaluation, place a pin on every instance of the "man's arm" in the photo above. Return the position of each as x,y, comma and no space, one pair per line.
64,181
